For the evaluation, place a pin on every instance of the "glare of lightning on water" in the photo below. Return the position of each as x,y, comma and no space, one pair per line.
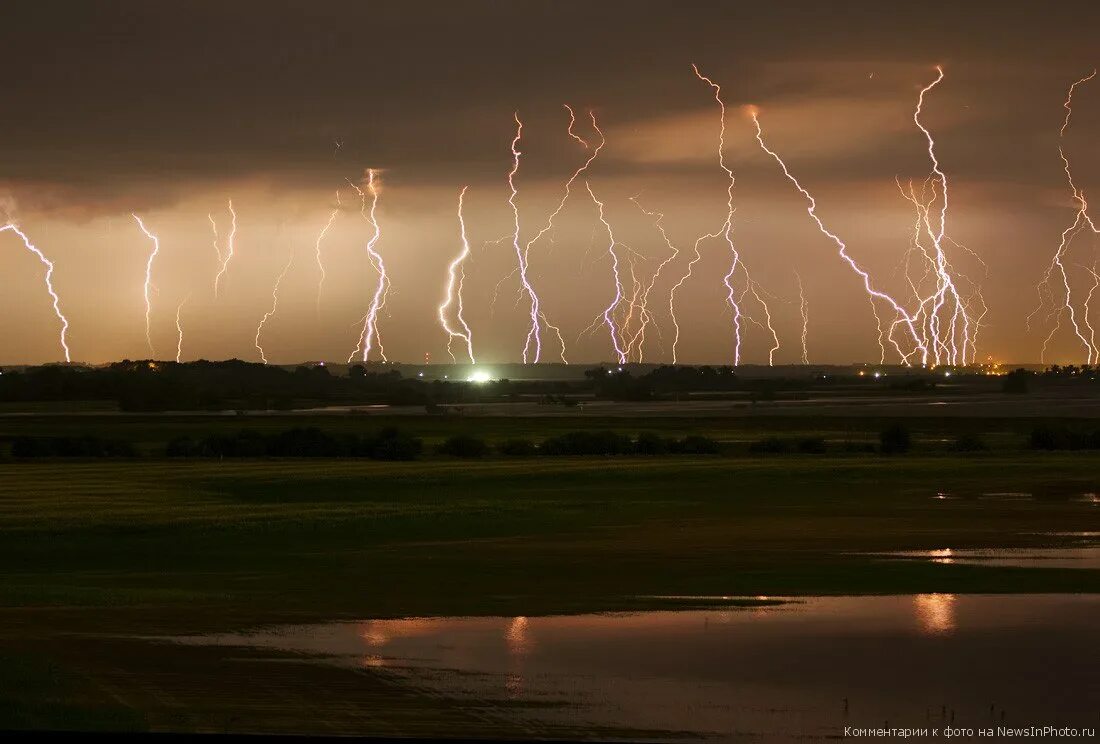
148,281
567,191
533,335
804,311
229,247
901,314
609,311
317,249
453,291
274,306
370,334
179,328
49,284
1081,221
658,223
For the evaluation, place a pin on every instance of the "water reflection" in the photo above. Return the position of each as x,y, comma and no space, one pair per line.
799,670
935,612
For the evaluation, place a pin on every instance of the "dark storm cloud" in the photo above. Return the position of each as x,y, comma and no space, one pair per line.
108,102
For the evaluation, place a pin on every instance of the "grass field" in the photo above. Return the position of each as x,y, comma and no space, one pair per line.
153,546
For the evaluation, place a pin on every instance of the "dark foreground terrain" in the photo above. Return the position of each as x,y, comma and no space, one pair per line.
99,556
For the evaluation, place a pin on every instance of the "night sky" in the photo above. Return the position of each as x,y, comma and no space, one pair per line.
168,110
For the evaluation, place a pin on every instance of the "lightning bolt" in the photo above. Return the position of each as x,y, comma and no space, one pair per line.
533,335
148,281
453,293
609,311
947,294
568,189
1081,221
317,249
179,328
726,231
274,305
49,284
674,252
901,315
370,334
230,246
804,311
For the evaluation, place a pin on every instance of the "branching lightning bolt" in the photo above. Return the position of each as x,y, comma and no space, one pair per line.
49,284
453,292
533,335
148,281
370,334
900,313
230,246
274,306
609,311
317,249
804,311
1081,221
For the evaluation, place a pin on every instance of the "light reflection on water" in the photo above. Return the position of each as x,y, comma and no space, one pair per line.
807,668
1084,557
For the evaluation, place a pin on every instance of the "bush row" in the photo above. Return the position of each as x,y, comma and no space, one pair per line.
387,444
1065,438
582,443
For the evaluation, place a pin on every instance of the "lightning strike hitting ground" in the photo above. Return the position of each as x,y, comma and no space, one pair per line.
1081,222
148,282
179,328
726,231
453,291
945,343
804,311
49,284
317,249
229,247
533,335
370,336
274,306
901,315
568,189
639,337
609,311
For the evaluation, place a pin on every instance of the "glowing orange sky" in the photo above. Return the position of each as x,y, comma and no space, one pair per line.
167,112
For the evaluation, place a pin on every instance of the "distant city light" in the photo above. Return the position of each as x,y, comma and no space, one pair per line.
479,376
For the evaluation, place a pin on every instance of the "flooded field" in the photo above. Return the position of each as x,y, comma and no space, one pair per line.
804,668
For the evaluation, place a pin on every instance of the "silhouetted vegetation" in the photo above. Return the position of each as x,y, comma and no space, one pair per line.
387,444
1065,438
781,446
463,445
517,448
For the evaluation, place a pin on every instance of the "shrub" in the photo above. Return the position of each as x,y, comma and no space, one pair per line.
895,440
811,446
463,445
770,446
693,444
649,443
394,444
517,448
587,443
1060,438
